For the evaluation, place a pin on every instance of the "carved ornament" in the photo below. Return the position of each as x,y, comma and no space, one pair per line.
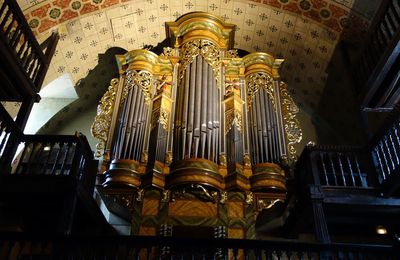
101,125
210,52
293,131
256,81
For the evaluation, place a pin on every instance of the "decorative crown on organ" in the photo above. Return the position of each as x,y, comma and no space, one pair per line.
198,114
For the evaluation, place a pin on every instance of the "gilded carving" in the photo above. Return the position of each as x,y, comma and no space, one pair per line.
222,160
232,54
168,52
293,131
164,118
166,196
256,81
267,204
144,157
233,118
168,157
206,48
223,197
233,106
249,198
101,125
140,195
247,160
142,79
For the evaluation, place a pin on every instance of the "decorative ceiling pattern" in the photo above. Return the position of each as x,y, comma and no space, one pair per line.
304,32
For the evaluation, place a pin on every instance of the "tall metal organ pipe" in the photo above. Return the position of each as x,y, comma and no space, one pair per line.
196,133
132,124
264,136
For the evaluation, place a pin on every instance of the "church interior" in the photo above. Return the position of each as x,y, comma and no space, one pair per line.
218,129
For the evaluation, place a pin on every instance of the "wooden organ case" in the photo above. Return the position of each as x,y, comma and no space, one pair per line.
196,136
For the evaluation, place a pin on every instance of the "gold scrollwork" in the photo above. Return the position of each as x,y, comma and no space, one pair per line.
168,157
256,81
168,52
249,198
101,125
164,119
267,203
206,48
142,79
293,131
233,118
232,54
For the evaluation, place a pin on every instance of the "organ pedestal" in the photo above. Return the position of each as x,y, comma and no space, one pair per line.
197,120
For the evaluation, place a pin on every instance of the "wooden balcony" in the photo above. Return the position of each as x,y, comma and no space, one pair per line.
23,62
377,68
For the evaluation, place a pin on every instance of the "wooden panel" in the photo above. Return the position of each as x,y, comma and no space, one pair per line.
235,209
236,233
192,208
150,207
147,231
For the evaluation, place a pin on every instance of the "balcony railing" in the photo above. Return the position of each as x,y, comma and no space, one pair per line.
68,155
334,166
20,45
136,247
385,150
377,67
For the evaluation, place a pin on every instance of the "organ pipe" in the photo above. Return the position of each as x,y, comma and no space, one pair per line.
197,114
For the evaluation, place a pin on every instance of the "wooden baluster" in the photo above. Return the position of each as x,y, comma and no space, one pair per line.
25,55
350,169
65,158
235,252
49,148
341,169
393,20
53,169
3,7
300,255
388,152
321,154
388,25
28,168
376,150
5,18
3,137
384,157
9,27
333,168
36,71
395,11
21,160
15,38
393,145
32,65
25,61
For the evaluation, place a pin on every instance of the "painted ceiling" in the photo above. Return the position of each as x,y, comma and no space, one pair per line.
304,32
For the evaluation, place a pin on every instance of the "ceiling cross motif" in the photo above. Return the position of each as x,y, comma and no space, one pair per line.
303,32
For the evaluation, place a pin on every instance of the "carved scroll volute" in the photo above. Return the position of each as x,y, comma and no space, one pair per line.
102,122
292,128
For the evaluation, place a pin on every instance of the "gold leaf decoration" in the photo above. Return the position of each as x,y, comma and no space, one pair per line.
142,79
101,124
256,81
293,131
232,54
168,52
210,52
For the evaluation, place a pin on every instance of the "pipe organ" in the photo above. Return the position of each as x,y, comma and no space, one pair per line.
197,119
